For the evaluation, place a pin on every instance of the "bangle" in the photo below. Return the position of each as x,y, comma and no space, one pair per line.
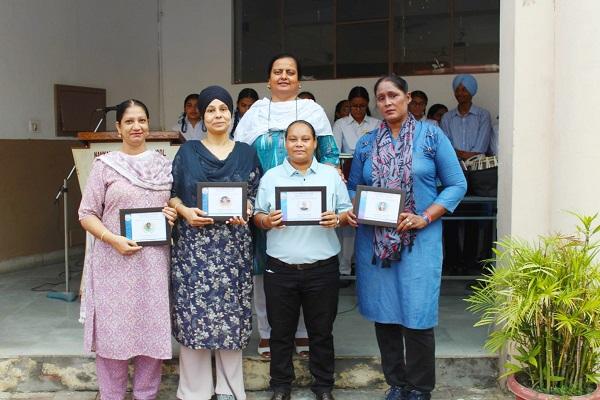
102,236
426,216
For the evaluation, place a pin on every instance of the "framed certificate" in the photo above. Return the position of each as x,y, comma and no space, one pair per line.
378,206
223,200
301,205
145,226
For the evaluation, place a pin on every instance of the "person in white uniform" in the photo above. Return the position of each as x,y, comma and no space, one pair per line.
189,123
347,131
418,105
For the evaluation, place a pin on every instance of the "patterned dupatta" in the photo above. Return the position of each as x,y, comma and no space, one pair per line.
148,170
392,169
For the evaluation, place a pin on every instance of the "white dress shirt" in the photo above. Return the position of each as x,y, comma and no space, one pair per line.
347,131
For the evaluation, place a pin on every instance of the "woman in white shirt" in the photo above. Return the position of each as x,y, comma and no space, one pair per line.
349,129
189,121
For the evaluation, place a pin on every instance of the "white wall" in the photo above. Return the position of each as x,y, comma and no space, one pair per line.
110,44
198,51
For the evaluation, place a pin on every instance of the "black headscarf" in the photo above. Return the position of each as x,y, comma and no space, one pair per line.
210,93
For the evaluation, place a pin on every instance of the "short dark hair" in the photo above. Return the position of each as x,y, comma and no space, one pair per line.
435,108
307,95
123,106
279,57
338,108
247,92
396,81
419,93
358,91
301,122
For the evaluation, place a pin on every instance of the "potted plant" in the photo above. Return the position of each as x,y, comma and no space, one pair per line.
543,300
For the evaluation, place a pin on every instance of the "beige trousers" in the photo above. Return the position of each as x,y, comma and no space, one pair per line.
196,375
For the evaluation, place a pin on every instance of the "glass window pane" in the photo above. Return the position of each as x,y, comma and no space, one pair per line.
476,33
421,36
308,34
354,35
313,45
461,6
304,12
360,10
362,49
258,38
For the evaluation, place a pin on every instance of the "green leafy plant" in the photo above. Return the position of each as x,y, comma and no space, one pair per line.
544,299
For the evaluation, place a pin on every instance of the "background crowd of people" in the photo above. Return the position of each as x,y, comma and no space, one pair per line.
200,289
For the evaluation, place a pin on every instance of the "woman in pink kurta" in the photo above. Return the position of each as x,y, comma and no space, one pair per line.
126,301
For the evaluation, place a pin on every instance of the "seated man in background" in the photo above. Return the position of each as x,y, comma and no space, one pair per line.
468,127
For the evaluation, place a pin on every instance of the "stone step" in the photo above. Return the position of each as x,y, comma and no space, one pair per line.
440,393
54,374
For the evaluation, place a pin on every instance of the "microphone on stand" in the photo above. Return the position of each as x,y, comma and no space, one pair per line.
106,109
103,110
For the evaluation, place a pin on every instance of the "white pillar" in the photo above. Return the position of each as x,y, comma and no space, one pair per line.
575,157
549,134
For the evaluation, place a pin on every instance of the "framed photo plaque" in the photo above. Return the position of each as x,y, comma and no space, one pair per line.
145,226
378,206
301,205
223,200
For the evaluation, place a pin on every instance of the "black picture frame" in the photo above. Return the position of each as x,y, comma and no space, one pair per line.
279,190
222,218
127,211
357,204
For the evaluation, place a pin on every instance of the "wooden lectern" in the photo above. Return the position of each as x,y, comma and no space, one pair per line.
98,143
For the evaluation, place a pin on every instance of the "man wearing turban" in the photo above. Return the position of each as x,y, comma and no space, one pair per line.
468,127
470,131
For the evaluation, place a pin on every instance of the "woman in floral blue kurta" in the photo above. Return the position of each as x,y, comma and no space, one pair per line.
211,277
211,274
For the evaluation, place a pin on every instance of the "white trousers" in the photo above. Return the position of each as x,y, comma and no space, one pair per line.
260,306
196,374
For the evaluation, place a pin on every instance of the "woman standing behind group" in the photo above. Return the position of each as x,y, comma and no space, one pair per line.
399,270
211,277
126,302
263,127
347,131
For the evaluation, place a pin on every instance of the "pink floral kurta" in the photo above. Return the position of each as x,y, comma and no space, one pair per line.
126,300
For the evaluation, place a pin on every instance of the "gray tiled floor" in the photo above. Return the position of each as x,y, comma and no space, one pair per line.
32,324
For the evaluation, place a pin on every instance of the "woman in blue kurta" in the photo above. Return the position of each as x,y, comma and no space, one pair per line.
399,270
263,127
